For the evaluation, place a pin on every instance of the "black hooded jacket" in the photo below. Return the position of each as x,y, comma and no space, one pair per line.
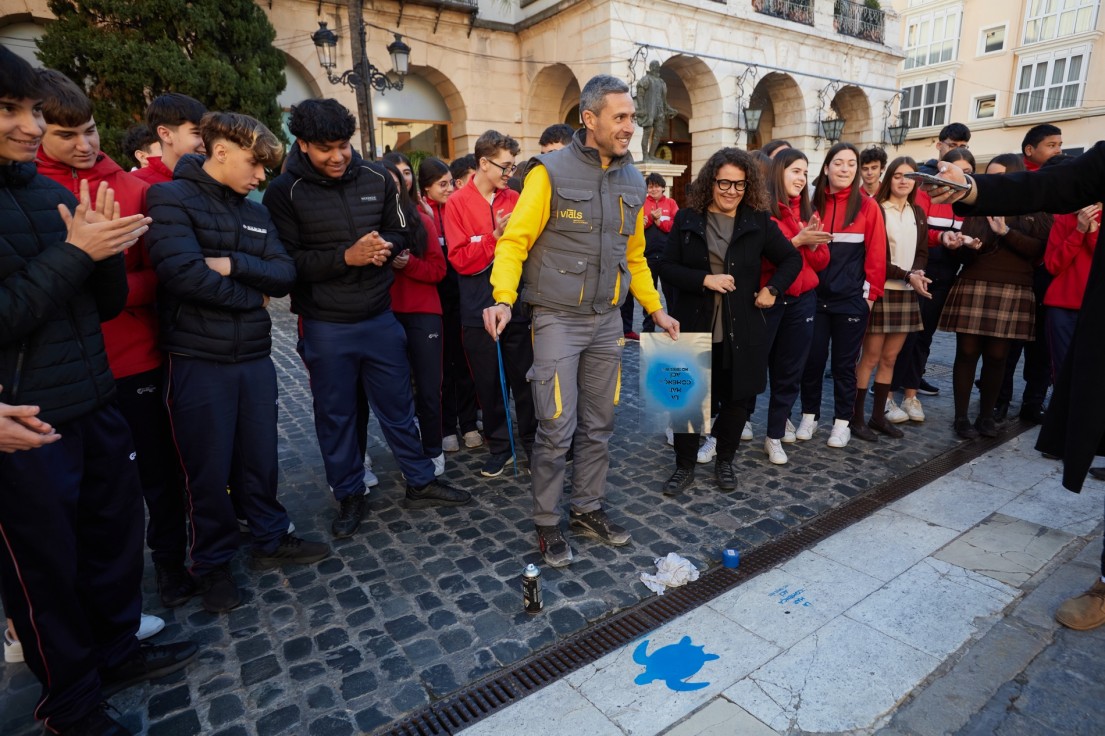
205,315
319,218
52,300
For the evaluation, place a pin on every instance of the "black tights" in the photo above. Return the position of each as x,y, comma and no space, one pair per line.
968,349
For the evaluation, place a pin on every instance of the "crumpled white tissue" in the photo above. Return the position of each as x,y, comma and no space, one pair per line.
671,572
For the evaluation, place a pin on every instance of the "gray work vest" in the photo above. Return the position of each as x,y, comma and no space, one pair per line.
578,262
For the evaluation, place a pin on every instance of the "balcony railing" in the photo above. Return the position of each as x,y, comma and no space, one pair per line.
799,11
859,21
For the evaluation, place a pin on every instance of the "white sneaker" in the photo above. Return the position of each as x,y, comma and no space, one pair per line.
148,626
708,451
370,478
789,435
841,435
774,451
912,408
439,465
806,428
243,525
450,443
473,439
671,437
746,433
894,415
13,650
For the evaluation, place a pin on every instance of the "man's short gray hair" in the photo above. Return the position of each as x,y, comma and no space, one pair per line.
593,96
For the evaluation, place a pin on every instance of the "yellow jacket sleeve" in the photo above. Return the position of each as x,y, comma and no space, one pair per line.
527,222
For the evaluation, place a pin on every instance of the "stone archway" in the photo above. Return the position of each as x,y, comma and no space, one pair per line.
694,91
554,92
420,116
783,106
851,104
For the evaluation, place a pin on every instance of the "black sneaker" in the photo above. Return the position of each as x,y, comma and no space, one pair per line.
554,547
436,493
174,584
964,430
927,389
680,480
860,430
1033,413
724,475
219,592
97,723
596,525
1001,411
986,427
496,464
1097,473
351,511
149,662
291,551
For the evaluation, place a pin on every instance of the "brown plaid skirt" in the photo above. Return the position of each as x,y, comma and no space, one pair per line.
895,311
990,309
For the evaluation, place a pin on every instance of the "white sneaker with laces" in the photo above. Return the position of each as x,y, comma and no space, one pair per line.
894,415
473,439
439,465
449,443
774,451
912,408
746,433
13,649
789,436
708,451
671,437
806,428
840,435
148,626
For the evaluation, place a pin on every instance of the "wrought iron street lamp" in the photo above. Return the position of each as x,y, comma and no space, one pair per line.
363,76
832,128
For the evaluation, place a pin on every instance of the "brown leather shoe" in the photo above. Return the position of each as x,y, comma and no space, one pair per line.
1084,612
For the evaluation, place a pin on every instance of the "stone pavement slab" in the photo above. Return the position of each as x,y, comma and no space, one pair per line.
557,710
954,501
1006,549
720,717
885,544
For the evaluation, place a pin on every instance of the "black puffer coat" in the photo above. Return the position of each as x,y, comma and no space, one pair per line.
205,315
52,300
319,218
686,264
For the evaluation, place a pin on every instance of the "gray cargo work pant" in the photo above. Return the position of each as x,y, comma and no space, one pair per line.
575,381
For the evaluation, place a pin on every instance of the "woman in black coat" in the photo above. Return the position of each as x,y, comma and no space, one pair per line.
712,262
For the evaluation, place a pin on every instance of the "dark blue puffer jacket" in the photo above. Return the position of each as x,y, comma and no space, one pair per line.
52,300
205,315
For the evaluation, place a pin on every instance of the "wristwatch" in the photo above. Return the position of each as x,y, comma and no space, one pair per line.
772,290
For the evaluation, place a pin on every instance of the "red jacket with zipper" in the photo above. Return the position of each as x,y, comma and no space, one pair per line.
1068,257
155,173
130,338
414,290
469,235
813,261
857,256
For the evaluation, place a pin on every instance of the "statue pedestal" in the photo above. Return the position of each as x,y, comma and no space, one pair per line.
664,169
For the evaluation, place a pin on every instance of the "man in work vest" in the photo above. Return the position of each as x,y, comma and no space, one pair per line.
576,238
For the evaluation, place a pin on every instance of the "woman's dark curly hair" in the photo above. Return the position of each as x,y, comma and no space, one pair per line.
701,192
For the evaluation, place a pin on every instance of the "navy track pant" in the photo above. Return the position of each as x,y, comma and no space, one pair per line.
373,354
517,346
71,558
791,321
143,406
845,332
224,416
458,392
424,353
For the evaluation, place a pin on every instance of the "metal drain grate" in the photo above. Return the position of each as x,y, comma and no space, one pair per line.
484,697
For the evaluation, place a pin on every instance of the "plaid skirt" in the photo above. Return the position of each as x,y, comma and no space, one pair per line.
990,309
895,311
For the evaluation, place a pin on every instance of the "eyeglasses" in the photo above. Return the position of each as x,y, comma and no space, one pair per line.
507,170
726,184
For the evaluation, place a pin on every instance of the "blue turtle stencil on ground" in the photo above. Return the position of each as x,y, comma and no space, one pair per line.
673,664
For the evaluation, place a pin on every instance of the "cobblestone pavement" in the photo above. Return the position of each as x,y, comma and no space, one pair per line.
419,603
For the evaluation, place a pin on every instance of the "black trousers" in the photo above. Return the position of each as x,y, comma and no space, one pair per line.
914,354
1037,354
791,320
458,391
424,353
71,558
483,359
732,413
845,332
140,401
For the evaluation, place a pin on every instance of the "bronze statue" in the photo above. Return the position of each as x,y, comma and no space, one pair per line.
653,111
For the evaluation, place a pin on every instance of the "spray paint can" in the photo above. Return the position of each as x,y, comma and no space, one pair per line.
531,589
